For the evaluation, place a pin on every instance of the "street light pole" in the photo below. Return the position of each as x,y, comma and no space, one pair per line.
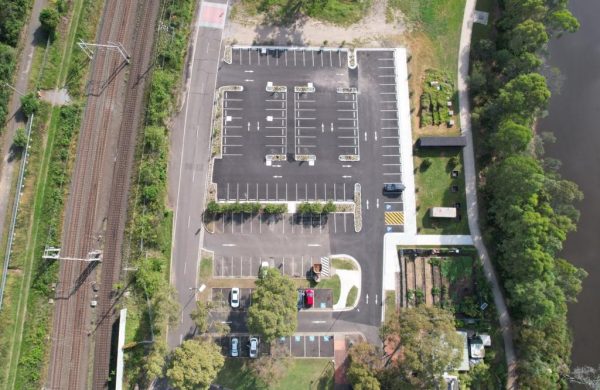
13,88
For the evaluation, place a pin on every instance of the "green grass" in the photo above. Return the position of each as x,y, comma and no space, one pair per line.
352,295
390,304
457,267
433,187
38,224
341,12
206,267
479,30
332,283
340,263
441,21
302,374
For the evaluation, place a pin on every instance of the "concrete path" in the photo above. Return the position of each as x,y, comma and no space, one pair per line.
471,189
15,118
348,279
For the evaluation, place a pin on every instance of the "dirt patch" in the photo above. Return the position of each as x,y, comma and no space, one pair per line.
372,31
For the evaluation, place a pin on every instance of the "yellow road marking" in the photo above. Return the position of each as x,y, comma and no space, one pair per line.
394,218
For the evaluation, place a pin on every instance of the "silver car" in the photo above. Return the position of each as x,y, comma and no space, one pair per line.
235,297
253,347
235,347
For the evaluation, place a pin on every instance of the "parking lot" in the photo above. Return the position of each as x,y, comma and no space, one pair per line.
329,125
298,345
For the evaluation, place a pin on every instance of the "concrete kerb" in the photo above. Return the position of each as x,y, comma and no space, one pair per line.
342,298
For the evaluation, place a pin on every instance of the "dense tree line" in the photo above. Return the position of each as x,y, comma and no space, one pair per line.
529,206
13,14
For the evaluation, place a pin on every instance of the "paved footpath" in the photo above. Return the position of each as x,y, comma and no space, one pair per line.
471,188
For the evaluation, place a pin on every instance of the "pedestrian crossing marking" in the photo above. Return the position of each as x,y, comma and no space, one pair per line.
394,218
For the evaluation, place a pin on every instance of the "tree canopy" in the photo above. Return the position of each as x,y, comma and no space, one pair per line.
273,312
195,364
429,346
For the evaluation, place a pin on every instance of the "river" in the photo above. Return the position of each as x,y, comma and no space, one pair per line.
574,118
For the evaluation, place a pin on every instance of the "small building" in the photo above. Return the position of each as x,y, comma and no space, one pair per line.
442,212
464,361
442,142
486,339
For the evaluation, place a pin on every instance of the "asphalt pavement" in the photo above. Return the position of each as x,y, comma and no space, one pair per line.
189,160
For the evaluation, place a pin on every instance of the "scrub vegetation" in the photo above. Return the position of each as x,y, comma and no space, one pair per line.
153,301
529,206
343,12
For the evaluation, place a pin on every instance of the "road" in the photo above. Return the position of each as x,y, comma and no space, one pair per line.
471,193
189,162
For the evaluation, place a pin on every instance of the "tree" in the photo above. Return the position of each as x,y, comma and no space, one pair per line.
49,19
29,104
195,364
20,140
528,36
429,345
426,163
273,311
328,207
365,363
200,315
154,138
511,138
213,208
525,96
155,361
569,278
563,20
272,368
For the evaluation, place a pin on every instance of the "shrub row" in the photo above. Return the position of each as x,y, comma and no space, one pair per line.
150,221
214,208
530,207
316,208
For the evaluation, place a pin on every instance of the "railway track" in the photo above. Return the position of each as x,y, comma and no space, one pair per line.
132,113
70,336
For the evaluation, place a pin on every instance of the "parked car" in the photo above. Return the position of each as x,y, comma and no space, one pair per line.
235,347
235,297
309,297
253,347
393,189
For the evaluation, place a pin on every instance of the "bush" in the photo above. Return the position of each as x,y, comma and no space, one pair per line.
49,19
30,104
273,208
426,163
20,140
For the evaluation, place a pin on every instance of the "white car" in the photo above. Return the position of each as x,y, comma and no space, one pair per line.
235,347
235,297
253,347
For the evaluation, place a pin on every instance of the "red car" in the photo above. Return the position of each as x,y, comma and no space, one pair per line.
309,298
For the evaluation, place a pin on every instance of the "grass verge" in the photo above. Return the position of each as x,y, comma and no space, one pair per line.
52,147
434,189
206,268
352,295
333,283
302,374
390,304
340,263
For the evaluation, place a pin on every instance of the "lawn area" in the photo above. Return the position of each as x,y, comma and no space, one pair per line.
206,265
341,12
340,263
440,21
457,267
390,304
434,189
332,283
351,298
302,374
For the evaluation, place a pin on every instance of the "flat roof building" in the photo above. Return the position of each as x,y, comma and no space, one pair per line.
441,142
442,212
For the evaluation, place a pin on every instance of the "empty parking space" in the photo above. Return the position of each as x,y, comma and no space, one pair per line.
287,224
285,191
289,57
248,267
